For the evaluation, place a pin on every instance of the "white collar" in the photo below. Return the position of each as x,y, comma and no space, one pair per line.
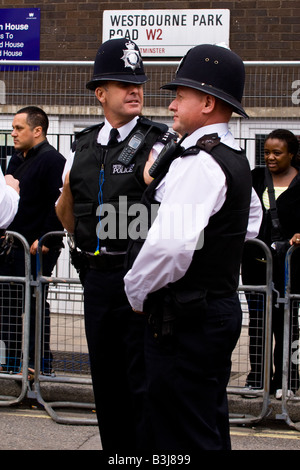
221,129
103,135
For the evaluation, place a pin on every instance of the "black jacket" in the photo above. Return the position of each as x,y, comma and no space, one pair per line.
40,176
288,208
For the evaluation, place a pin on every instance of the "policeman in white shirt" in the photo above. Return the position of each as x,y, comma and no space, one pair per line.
9,199
185,275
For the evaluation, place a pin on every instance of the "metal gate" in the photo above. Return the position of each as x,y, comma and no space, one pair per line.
14,322
291,344
63,329
260,299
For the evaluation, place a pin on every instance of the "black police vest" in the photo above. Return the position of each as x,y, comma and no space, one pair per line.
215,265
98,180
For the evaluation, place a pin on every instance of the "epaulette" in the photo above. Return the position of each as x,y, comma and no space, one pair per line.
166,134
207,143
159,125
167,137
79,134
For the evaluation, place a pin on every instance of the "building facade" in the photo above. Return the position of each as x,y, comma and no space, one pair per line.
261,31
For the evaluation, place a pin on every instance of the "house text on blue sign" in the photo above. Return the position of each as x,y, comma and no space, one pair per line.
19,35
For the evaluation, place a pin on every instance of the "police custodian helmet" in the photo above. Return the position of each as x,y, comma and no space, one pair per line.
120,60
215,70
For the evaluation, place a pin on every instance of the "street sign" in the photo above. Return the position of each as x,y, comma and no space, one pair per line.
19,35
167,33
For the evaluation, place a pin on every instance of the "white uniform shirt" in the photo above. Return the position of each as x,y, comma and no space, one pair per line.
9,201
192,191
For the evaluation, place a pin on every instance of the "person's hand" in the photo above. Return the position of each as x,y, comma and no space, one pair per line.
13,182
34,247
295,240
149,163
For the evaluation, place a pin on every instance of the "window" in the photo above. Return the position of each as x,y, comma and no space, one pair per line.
259,150
6,149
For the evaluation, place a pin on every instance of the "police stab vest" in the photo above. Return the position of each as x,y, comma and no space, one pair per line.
104,189
215,265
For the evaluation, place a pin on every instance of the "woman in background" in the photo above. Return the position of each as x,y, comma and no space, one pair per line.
282,171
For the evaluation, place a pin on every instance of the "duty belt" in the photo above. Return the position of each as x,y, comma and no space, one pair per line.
106,261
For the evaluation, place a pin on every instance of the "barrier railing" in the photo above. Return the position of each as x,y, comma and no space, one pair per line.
14,323
262,296
69,358
291,356
68,349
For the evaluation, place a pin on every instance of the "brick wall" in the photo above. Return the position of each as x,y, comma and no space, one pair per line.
259,30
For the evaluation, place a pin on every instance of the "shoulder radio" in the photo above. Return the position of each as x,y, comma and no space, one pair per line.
171,151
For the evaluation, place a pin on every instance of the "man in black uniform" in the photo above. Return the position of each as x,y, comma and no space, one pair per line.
39,167
107,177
185,276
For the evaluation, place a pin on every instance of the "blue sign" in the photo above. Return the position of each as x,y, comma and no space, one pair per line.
19,36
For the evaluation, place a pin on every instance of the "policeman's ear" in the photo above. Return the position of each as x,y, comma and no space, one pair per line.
209,104
100,94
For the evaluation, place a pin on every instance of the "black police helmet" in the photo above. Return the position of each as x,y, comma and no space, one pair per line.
120,60
215,70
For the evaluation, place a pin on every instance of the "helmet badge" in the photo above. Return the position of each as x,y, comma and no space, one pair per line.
131,57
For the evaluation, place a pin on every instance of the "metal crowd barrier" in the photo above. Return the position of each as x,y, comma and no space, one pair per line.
68,353
14,324
262,296
291,344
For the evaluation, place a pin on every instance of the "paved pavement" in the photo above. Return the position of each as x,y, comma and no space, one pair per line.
28,426
31,428
271,435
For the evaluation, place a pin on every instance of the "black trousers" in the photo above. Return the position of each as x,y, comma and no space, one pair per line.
187,376
115,336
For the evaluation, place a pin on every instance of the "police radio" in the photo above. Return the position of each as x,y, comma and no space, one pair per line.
170,151
133,146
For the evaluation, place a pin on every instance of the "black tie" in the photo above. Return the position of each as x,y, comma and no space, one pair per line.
114,133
